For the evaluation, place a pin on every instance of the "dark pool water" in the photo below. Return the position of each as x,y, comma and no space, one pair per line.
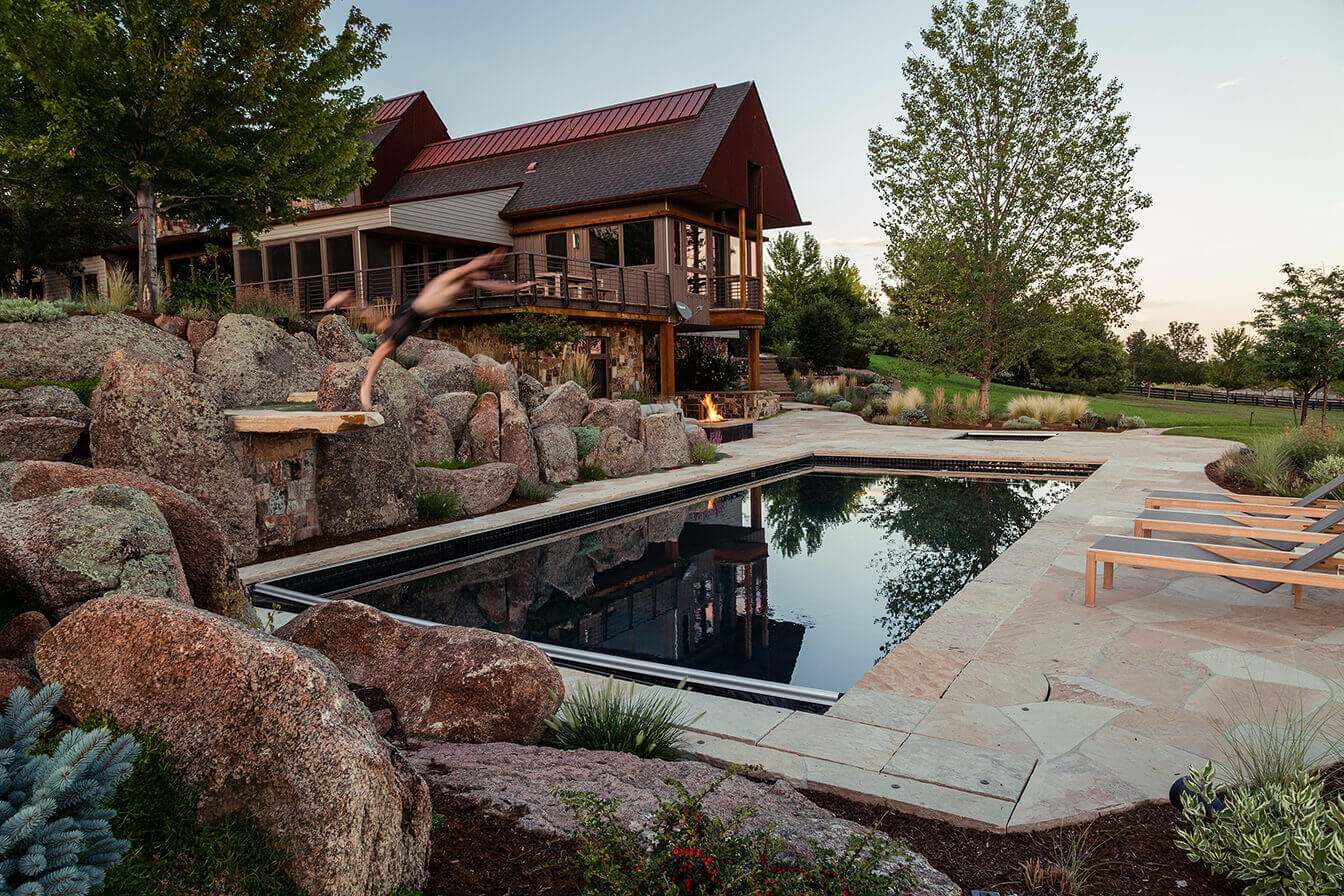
807,581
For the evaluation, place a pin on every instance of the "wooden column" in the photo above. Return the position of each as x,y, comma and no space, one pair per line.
742,257
667,370
760,256
754,359
756,512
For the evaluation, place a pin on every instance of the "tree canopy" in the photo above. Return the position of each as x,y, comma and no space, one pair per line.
206,111
1301,325
816,305
1007,184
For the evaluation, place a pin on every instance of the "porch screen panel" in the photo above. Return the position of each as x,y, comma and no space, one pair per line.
280,270
340,262
249,267
380,285
311,288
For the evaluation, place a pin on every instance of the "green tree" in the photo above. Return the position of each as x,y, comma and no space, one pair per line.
1231,364
791,279
1077,353
1301,328
1189,347
1135,344
38,236
1008,185
205,111
1158,363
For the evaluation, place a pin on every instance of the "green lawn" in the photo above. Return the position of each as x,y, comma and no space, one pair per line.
1181,418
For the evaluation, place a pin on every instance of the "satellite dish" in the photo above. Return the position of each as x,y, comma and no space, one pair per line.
684,311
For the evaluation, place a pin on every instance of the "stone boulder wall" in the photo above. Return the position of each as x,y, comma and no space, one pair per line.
260,727
168,424
456,684
497,374
530,392
405,394
622,413
63,549
336,340
664,439
478,489
207,559
431,437
253,361
14,674
557,452
446,370
44,401
76,348
522,782
483,429
19,638
416,348
365,478
515,438
567,405
620,455
172,324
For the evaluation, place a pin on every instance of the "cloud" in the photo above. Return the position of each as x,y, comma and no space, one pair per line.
1233,83
856,241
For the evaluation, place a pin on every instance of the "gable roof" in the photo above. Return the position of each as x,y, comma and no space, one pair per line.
662,145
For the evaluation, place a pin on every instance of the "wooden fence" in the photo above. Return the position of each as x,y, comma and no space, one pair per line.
1253,399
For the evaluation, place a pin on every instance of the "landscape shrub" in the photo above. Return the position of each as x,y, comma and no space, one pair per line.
868,410
963,410
613,717
1089,421
834,399
82,388
1129,423
899,402
884,419
120,296
591,473
490,379
911,416
1067,871
1049,409
577,367
368,340
14,309
207,293
587,438
1022,423
1281,838
55,834
1281,463
438,506
806,396
841,405
536,492
450,464
704,364
685,849
1324,470
261,302
703,451
937,407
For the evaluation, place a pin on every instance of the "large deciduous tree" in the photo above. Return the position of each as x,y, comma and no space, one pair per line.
1007,183
1301,326
205,111
1232,354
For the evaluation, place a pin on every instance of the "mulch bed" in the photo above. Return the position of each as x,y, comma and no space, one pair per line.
1215,473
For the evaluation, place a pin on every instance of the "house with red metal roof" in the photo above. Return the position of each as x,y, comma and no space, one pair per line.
640,221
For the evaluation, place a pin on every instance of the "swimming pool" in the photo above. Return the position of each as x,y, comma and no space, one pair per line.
805,581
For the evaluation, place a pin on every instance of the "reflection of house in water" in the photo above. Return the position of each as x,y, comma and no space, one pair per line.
685,587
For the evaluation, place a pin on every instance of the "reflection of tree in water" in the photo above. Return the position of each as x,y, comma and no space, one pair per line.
804,507
948,530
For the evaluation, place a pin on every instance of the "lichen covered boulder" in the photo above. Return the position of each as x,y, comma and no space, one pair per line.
39,438
566,406
557,452
620,455
260,727
336,340
253,362
483,429
76,545
76,348
458,684
622,413
478,489
530,392
664,439
19,637
515,438
446,370
168,424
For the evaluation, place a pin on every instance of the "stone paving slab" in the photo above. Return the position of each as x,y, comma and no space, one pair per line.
975,769
1131,683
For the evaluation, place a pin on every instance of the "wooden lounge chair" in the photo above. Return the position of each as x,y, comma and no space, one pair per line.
1256,568
1281,533
1310,506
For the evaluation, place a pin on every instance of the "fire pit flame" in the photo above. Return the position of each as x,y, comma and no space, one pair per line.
712,414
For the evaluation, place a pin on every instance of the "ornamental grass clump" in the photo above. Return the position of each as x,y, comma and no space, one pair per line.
1290,462
610,717
55,835
438,506
1049,409
910,400
687,849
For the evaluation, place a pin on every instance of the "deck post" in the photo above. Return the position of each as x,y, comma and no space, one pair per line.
754,359
667,369
742,257
1090,573
1297,596
760,257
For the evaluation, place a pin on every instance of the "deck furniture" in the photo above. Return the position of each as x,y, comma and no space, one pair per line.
1281,533
1256,568
1310,506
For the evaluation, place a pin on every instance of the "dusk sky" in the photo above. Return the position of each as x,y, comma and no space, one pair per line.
1236,107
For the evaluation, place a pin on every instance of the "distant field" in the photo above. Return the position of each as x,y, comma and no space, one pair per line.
1238,423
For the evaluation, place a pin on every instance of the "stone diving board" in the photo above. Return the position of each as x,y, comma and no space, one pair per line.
286,421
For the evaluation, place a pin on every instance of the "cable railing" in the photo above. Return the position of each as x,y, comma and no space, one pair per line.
554,282
726,292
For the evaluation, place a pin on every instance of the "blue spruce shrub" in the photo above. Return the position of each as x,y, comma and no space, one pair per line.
55,837
911,416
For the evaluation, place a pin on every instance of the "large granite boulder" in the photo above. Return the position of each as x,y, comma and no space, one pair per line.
18,639
173,324
44,401
530,392
515,438
413,349
259,726
199,332
168,424
557,452
79,544
446,371
483,429
524,783
76,348
404,391
365,478
336,340
431,436
14,674
458,684
478,489
622,413
207,559
567,405
664,439
620,455
39,438
253,362
456,408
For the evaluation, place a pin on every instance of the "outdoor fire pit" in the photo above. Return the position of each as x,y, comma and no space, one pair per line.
706,414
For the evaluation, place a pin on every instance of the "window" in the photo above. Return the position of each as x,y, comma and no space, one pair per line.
696,258
249,266
312,291
638,239
556,252
604,245
341,262
279,268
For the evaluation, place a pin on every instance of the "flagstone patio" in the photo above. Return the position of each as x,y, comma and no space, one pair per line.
1013,707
